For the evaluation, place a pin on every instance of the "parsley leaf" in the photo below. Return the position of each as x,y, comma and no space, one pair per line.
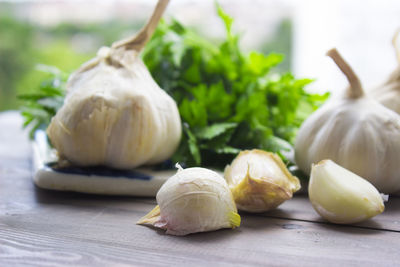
228,100
39,107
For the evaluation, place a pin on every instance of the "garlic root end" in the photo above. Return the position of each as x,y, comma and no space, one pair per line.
150,218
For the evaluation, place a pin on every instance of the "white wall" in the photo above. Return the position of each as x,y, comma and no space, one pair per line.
360,30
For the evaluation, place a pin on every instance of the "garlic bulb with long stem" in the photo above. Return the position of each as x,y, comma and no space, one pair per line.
193,200
356,132
260,181
114,113
388,94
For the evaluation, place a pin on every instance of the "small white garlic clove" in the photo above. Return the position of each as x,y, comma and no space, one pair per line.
340,196
260,181
193,200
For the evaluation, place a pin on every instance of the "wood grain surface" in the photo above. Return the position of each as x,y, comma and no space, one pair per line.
48,228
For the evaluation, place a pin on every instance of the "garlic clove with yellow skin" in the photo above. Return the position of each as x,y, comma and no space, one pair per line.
341,196
388,94
193,200
260,181
356,132
114,113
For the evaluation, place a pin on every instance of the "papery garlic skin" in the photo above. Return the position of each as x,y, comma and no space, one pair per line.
357,133
115,116
260,181
114,113
340,196
193,200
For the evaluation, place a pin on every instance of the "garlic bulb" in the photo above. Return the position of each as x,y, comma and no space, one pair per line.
356,132
114,113
193,200
260,181
341,196
388,94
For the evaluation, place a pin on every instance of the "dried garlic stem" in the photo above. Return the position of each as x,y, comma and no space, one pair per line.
138,41
395,45
355,90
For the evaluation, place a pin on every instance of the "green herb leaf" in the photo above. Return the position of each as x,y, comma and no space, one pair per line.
215,130
39,107
228,99
193,148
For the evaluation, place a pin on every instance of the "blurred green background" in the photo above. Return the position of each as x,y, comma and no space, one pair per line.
66,45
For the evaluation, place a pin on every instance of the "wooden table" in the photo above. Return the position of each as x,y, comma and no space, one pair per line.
47,228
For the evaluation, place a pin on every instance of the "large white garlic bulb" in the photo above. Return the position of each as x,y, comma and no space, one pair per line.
388,94
354,131
114,113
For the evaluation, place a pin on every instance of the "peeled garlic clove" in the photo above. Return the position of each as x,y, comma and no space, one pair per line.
193,200
260,181
341,196
388,94
356,132
114,113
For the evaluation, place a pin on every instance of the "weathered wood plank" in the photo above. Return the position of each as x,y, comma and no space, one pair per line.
300,208
79,234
